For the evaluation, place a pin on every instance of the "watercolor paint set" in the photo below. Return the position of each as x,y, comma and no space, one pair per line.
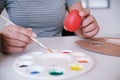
59,65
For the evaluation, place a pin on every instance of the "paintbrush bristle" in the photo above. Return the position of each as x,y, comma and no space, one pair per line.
51,51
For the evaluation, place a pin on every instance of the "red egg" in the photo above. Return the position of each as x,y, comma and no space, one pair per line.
72,21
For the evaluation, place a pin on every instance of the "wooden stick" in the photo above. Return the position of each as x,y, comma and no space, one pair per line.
35,40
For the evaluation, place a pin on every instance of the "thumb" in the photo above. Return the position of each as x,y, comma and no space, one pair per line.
30,29
33,33
84,13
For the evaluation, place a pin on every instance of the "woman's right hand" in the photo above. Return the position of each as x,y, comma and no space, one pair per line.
15,38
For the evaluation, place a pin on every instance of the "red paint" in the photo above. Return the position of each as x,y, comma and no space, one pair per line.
66,52
72,21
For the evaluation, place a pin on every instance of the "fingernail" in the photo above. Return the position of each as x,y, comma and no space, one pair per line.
34,35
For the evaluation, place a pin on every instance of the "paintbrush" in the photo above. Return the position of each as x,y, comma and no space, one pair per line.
34,39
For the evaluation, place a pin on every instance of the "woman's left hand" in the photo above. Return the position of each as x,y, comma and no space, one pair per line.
89,27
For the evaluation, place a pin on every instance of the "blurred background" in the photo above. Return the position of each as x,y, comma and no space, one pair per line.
107,13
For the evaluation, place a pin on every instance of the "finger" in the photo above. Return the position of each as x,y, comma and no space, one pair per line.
84,13
30,29
88,20
89,28
16,36
10,49
92,33
33,33
15,43
79,33
19,29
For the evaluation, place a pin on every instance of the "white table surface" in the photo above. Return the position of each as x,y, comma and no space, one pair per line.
106,67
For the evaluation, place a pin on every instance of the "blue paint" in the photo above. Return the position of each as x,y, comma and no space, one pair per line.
35,72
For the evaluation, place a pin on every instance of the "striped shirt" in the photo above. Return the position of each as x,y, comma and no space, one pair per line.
45,17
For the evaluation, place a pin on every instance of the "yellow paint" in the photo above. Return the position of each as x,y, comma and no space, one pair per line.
76,67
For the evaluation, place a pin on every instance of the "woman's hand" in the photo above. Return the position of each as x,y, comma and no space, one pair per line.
15,38
89,27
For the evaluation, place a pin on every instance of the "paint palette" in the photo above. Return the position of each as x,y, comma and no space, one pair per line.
59,65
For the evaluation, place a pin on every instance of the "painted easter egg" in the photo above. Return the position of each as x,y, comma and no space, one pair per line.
72,21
